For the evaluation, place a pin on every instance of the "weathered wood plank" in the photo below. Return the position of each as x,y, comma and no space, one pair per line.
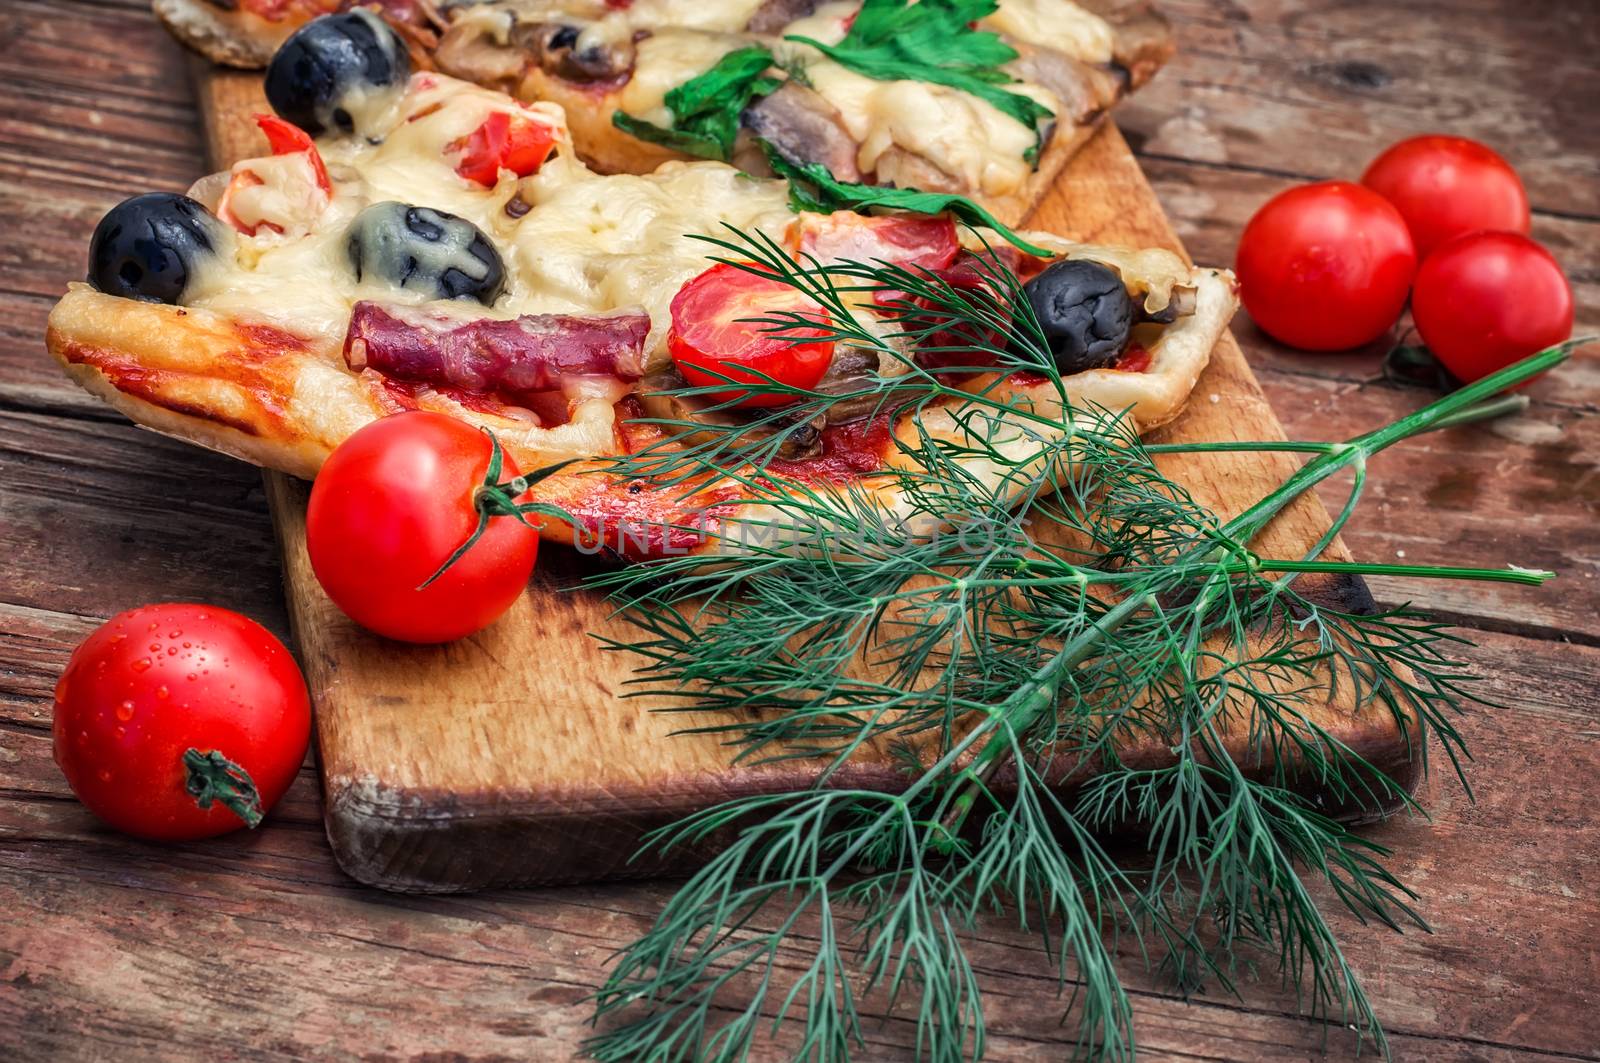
99,517
1318,89
96,931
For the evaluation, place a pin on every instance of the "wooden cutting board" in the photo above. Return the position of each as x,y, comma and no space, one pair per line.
511,759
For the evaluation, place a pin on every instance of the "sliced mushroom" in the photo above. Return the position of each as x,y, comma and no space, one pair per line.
905,169
773,15
556,49
1181,304
466,52
1084,90
803,127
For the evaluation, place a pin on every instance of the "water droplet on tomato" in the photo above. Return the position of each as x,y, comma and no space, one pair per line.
175,633
105,775
122,731
172,651
118,637
153,626
155,647
125,711
188,645
83,738
141,664
191,677
162,691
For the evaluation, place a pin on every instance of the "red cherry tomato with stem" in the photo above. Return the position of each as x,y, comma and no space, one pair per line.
1326,266
175,722
1485,300
714,332
394,503
1445,187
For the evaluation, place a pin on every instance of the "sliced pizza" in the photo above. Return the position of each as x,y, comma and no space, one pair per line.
980,98
441,246
247,33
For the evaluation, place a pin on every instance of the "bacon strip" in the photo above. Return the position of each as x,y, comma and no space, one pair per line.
533,353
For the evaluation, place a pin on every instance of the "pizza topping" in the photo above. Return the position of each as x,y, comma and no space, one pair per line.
150,247
718,336
801,126
503,142
338,72
909,46
844,452
1084,311
813,188
944,340
440,255
557,49
284,193
911,240
774,15
514,359
703,111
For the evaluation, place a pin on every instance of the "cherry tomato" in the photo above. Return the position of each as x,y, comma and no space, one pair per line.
389,508
712,330
503,142
1485,300
1325,267
1447,186
177,721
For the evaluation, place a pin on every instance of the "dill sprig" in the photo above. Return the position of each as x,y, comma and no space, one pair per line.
1004,653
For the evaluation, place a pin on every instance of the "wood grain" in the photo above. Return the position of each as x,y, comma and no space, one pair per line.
511,758
112,948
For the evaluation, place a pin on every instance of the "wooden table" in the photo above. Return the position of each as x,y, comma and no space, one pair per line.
256,946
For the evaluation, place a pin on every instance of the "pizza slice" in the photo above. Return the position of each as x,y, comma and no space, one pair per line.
981,98
247,33
441,246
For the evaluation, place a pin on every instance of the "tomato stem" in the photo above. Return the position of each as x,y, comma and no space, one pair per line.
213,777
495,499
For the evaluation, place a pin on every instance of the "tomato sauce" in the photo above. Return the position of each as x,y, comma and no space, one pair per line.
1136,359
849,451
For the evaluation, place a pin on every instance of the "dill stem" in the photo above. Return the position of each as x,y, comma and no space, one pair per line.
1042,687
1033,698
1530,577
1451,409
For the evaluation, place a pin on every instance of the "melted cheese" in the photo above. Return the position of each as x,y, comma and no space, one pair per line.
665,61
1057,24
968,138
279,192
589,243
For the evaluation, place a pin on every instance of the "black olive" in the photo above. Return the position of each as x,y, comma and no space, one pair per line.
438,254
314,75
1085,312
150,246
564,37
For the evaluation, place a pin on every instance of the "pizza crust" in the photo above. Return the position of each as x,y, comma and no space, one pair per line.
232,38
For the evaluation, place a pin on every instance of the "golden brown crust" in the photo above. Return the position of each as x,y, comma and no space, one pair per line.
232,38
